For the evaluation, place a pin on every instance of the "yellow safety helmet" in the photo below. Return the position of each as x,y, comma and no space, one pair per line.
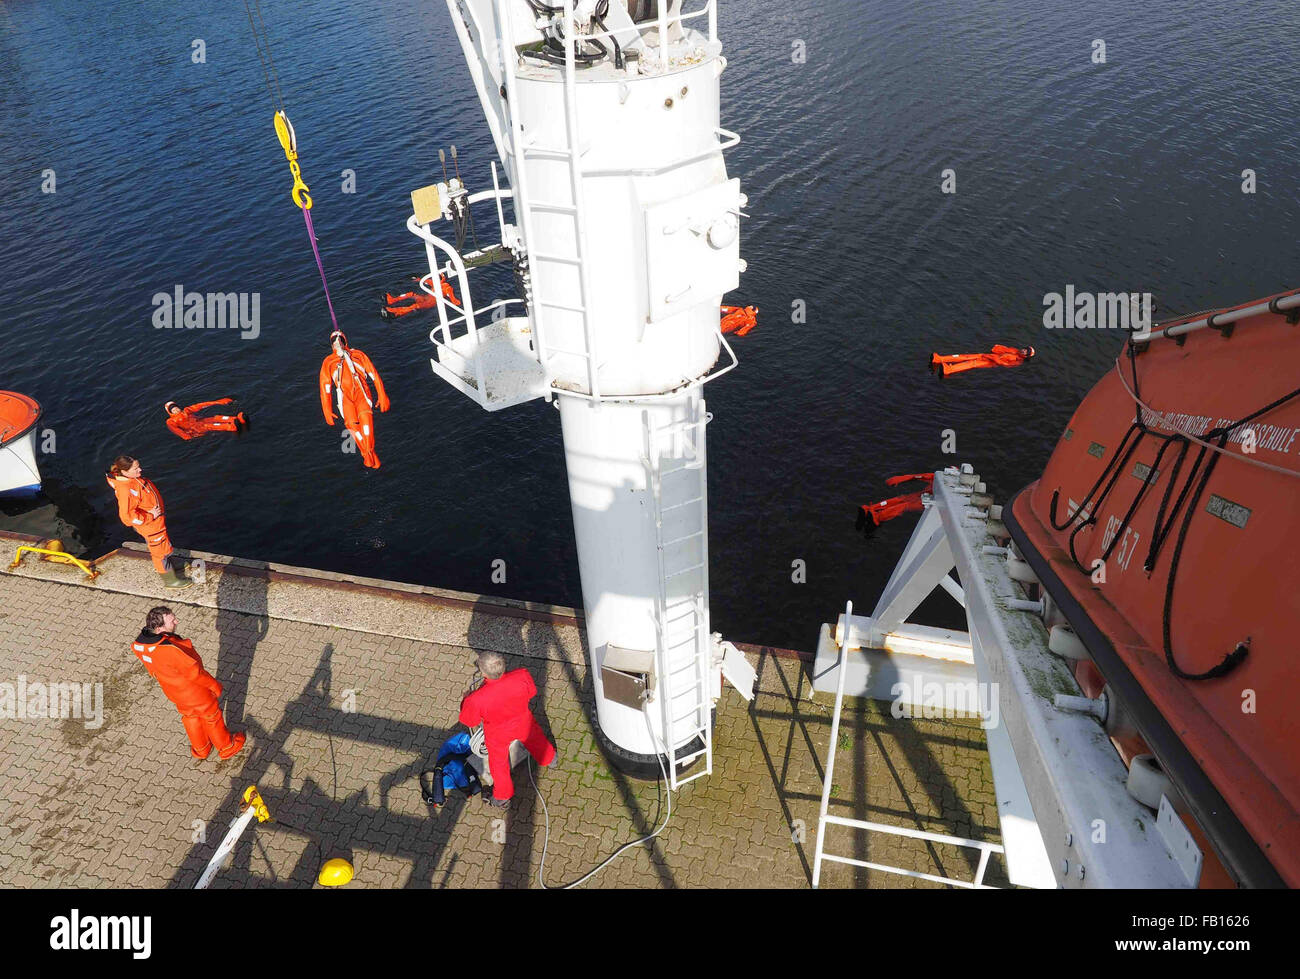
335,873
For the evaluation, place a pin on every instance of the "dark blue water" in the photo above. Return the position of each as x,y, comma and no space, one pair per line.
1123,176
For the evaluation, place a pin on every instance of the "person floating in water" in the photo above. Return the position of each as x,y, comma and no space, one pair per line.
346,378
140,507
187,423
999,356
416,299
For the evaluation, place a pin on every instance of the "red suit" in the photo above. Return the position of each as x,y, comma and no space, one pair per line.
1000,356
409,302
501,706
739,320
173,662
135,499
345,388
188,425
877,513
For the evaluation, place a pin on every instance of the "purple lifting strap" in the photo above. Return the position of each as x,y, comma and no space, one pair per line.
311,233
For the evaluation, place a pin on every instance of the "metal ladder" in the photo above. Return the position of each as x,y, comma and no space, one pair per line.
524,151
674,460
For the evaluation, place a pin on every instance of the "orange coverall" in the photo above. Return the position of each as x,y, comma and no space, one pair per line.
999,356
188,425
178,669
343,389
501,706
135,498
409,302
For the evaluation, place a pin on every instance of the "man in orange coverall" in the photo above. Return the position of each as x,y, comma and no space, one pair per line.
344,389
999,356
186,422
173,662
140,507
501,706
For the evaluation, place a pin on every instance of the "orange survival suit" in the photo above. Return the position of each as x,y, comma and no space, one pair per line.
740,320
135,499
173,662
344,389
872,515
999,356
188,425
501,706
409,302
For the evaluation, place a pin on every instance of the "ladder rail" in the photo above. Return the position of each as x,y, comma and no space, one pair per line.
682,624
575,180
518,178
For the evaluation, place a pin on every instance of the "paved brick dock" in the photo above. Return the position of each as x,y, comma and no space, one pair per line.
341,720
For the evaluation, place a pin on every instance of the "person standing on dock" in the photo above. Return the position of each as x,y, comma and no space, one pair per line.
140,507
344,389
501,706
173,662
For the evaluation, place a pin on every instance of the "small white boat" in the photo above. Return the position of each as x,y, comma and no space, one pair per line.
19,476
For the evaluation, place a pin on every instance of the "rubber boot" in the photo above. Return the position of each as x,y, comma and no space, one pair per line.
171,578
236,743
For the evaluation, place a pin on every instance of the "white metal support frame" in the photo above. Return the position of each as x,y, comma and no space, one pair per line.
1066,816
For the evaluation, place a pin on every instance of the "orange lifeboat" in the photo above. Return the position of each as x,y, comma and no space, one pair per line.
1166,529
19,475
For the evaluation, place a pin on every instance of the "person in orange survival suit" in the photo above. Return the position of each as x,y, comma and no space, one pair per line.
178,669
186,422
343,389
501,706
999,356
140,507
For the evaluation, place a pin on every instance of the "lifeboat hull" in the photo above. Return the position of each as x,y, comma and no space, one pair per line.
19,474
1230,743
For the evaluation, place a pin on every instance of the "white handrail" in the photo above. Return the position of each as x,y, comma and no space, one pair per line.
431,244
1225,316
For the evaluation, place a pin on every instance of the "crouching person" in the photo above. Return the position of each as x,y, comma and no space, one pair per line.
501,706
178,669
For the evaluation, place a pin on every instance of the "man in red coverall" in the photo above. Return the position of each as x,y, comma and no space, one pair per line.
186,422
501,706
173,662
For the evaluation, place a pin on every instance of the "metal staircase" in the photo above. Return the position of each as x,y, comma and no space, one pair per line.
675,457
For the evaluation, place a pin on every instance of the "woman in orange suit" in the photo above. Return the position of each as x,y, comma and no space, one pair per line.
173,662
346,379
140,507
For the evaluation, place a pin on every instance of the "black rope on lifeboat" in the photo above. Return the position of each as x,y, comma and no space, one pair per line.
1186,504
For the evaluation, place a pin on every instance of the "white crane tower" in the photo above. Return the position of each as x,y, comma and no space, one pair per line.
624,233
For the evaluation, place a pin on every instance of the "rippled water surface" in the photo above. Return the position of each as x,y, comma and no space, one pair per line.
1122,176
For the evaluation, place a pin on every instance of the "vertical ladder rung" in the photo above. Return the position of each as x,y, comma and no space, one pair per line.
678,506
562,259
552,206
678,574
682,540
